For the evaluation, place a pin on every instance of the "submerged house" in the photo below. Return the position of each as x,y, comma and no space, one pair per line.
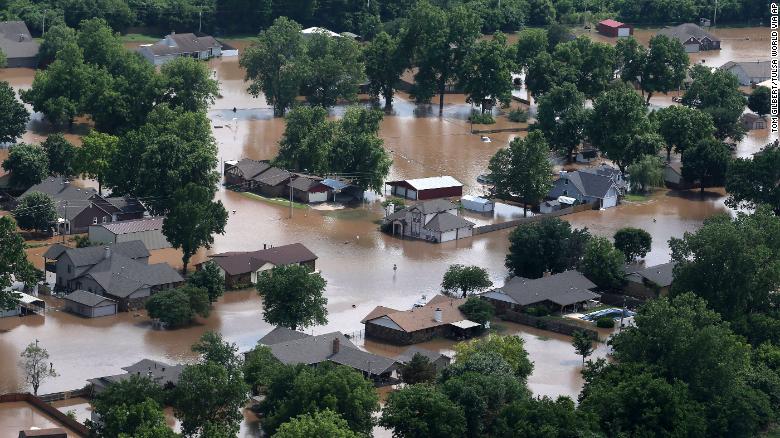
17,45
427,188
587,187
436,221
569,289
242,268
181,44
147,230
440,317
693,37
439,360
649,282
161,373
749,72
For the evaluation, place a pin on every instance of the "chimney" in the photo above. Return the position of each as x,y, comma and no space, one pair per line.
336,345
107,253
437,315
265,246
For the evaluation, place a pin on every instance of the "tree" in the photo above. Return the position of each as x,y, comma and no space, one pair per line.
13,263
540,417
332,70
760,101
131,391
530,43
631,59
177,307
707,163
320,424
209,396
213,348
99,43
753,180
187,85
3,60
56,38
511,349
523,170
260,367
548,245
682,127
302,389
385,62
603,264
13,115
193,220
145,419
634,243
477,310
717,93
293,297
36,211
272,64
582,344
562,117
95,156
36,366
486,73
466,279
61,154
209,277
418,370
541,12
665,66
421,411
27,163
591,63
646,172
545,72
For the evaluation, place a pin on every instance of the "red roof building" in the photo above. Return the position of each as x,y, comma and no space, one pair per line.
612,28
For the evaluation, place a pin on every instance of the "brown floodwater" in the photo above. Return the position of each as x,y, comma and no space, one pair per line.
354,257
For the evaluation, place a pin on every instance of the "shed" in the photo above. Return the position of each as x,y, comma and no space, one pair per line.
89,305
613,28
147,230
309,189
427,188
475,203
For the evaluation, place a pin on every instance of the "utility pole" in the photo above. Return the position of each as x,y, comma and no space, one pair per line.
715,14
291,193
200,19
43,25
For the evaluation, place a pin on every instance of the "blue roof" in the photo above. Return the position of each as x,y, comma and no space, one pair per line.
334,184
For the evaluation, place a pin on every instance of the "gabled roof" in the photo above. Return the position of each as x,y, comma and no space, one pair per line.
305,183
446,222
160,372
589,184
126,204
16,41
661,275
335,184
55,251
281,334
134,226
686,31
409,353
86,298
60,189
91,255
184,43
421,318
566,288
273,176
611,23
424,207
251,168
235,263
433,182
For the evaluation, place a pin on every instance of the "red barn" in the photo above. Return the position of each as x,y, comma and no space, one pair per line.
427,188
612,28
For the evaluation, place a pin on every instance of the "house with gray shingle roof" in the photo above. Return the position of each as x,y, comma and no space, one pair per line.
439,360
161,373
17,44
589,187
646,282
242,268
436,220
568,289
89,305
693,37
749,72
181,44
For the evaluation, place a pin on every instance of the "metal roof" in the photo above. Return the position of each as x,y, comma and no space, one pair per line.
434,182
465,324
87,298
335,184
134,226
611,23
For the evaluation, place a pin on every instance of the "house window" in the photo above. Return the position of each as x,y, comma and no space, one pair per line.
565,193
760,125
70,269
94,220
566,181
105,219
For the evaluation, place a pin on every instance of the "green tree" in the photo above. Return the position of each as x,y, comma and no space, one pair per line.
592,64
131,391
302,389
208,397
333,70
36,211
27,163
561,116
3,60
523,170
187,85
421,411
541,12
634,243
706,162
548,245
209,277
509,348
753,180
213,348
477,310
582,344
320,424
682,127
178,307
465,279
603,264
646,172
545,72
417,370
293,297
530,43
486,73
13,263
760,101
13,115
95,156
385,61
717,93
145,419
36,366
99,43
631,59
260,367
665,67
61,154
55,39
544,417
273,64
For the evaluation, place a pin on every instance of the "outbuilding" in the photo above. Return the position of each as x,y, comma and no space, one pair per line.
147,230
427,188
613,28
89,305
475,203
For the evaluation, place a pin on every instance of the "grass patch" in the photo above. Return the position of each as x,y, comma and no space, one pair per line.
347,213
631,197
276,201
36,245
482,119
543,338
139,38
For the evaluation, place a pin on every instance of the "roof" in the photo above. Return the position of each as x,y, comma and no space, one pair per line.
251,168
60,189
686,31
465,324
425,207
434,182
46,433
409,353
281,334
93,254
160,372
590,184
566,288
661,275
86,298
55,251
447,221
753,69
134,226
235,263
476,199
182,43
273,176
319,30
304,183
421,318
127,204
16,41
378,312
335,184
611,23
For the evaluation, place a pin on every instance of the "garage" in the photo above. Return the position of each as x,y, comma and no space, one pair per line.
89,305
427,188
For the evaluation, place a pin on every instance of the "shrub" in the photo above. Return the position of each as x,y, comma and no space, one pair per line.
518,115
537,311
605,322
482,119
477,310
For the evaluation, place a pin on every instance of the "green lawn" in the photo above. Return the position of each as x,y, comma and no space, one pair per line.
277,201
139,38
636,198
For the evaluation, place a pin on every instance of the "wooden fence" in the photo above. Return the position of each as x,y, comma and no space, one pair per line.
64,395
79,429
527,220
497,130
556,326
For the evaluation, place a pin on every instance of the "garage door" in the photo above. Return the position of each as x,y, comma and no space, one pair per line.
624,32
609,202
411,194
104,310
448,235
318,196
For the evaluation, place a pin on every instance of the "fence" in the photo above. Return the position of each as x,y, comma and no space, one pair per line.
64,395
77,428
548,324
497,130
527,220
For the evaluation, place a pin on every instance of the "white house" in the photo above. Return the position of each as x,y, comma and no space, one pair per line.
749,72
586,187
181,44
